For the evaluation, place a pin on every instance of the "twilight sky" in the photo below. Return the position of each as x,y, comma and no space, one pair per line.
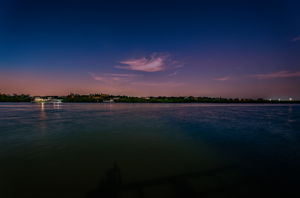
143,48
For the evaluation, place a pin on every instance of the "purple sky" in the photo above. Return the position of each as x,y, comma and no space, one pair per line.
178,48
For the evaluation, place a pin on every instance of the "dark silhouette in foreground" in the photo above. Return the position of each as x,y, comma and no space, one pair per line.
250,184
112,186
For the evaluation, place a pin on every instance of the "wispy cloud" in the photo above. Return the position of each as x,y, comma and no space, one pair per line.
296,38
173,73
159,84
279,74
225,78
113,78
124,75
153,63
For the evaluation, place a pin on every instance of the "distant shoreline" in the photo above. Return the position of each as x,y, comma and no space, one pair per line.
294,102
105,98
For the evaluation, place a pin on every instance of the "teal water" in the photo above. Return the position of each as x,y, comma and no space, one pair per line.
149,150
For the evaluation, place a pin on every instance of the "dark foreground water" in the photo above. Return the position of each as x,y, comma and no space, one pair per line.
149,150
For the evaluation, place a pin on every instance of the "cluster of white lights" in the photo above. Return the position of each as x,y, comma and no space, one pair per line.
279,99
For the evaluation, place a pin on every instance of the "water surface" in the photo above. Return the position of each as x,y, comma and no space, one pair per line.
149,150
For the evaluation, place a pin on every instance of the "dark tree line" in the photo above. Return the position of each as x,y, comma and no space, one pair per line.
191,99
94,98
86,98
15,98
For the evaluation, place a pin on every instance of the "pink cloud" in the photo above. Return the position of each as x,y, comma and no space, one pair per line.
173,73
225,78
113,78
124,75
280,74
296,38
159,84
153,63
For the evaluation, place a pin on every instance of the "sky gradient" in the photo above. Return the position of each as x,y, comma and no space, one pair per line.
150,48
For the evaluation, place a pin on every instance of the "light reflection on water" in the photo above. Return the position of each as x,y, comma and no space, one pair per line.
66,150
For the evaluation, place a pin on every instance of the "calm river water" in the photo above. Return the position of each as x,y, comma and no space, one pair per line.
149,150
